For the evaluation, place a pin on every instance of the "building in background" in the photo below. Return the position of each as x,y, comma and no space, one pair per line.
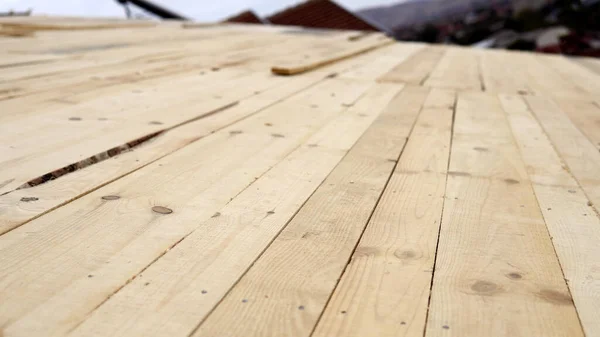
323,14
247,16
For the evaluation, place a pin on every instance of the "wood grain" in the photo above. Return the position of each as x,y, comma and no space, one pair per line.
285,291
385,289
571,221
496,273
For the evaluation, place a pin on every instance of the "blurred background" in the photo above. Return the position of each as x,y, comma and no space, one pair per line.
569,27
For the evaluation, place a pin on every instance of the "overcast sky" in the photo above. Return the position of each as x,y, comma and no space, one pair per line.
203,10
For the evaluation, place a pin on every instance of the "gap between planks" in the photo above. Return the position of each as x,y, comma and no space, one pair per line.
207,189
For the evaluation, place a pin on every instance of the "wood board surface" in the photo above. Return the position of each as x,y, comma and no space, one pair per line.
158,179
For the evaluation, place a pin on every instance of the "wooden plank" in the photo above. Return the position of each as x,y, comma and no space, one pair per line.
572,223
581,157
234,239
496,273
68,135
585,115
318,59
49,260
287,288
499,76
25,23
387,58
588,62
21,206
415,69
136,63
587,81
542,79
385,289
458,69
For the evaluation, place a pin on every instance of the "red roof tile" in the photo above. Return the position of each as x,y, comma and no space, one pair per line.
321,14
245,17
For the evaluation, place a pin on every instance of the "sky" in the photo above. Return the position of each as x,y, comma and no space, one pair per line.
201,10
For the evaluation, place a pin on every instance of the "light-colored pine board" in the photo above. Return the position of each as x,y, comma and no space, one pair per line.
541,79
417,68
23,205
499,76
588,62
319,58
458,69
585,115
584,79
385,289
519,225
287,288
581,157
114,240
26,23
572,223
98,128
136,63
388,57
496,273
69,141
162,305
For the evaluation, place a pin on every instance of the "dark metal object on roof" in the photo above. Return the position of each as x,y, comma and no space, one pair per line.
154,9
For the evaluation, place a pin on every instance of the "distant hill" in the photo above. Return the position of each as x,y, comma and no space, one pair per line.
419,12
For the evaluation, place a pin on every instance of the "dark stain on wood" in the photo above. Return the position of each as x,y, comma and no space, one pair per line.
235,132
111,197
511,181
277,135
216,215
485,288
74,118
514,276
162,210
480,149
155,123
29,199
555,297
405,254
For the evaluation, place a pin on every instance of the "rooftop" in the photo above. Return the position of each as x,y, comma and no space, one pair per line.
248,180
322,14
247,16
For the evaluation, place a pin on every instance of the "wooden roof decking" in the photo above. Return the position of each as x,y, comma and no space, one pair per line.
162,181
